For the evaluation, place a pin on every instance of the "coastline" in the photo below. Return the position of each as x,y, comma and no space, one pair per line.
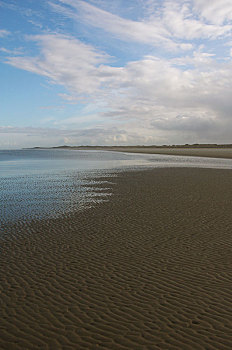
225,153
211,152
150,269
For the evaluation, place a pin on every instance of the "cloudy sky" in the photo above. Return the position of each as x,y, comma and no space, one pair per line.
115,72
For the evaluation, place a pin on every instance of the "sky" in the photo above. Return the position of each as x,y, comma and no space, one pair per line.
121,72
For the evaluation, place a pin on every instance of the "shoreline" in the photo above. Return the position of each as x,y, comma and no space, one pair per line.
150,269
211,152
225,153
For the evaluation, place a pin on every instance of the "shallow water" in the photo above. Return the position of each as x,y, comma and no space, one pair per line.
49,183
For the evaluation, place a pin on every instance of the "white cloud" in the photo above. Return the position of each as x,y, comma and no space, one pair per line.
180,21
65,61
157,93
214,11
29,137
145,31
18,51
4,33
164,27
148,100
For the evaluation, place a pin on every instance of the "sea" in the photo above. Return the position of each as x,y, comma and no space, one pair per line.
48,183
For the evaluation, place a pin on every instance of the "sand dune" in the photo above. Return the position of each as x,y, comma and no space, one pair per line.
150,269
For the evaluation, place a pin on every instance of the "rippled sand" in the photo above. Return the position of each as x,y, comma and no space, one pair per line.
150,269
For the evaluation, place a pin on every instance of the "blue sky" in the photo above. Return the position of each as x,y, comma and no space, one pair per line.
115,72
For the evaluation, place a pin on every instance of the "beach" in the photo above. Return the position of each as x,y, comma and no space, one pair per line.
211,152
148,269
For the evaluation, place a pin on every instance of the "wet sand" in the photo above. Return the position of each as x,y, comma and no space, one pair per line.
150,269
216,152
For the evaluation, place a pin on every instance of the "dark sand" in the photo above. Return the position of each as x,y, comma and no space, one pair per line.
150,269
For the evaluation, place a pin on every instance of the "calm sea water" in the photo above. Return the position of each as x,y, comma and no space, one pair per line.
50,183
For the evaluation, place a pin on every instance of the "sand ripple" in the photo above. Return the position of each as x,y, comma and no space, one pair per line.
151,269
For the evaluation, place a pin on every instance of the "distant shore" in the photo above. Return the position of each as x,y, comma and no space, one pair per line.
198,150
